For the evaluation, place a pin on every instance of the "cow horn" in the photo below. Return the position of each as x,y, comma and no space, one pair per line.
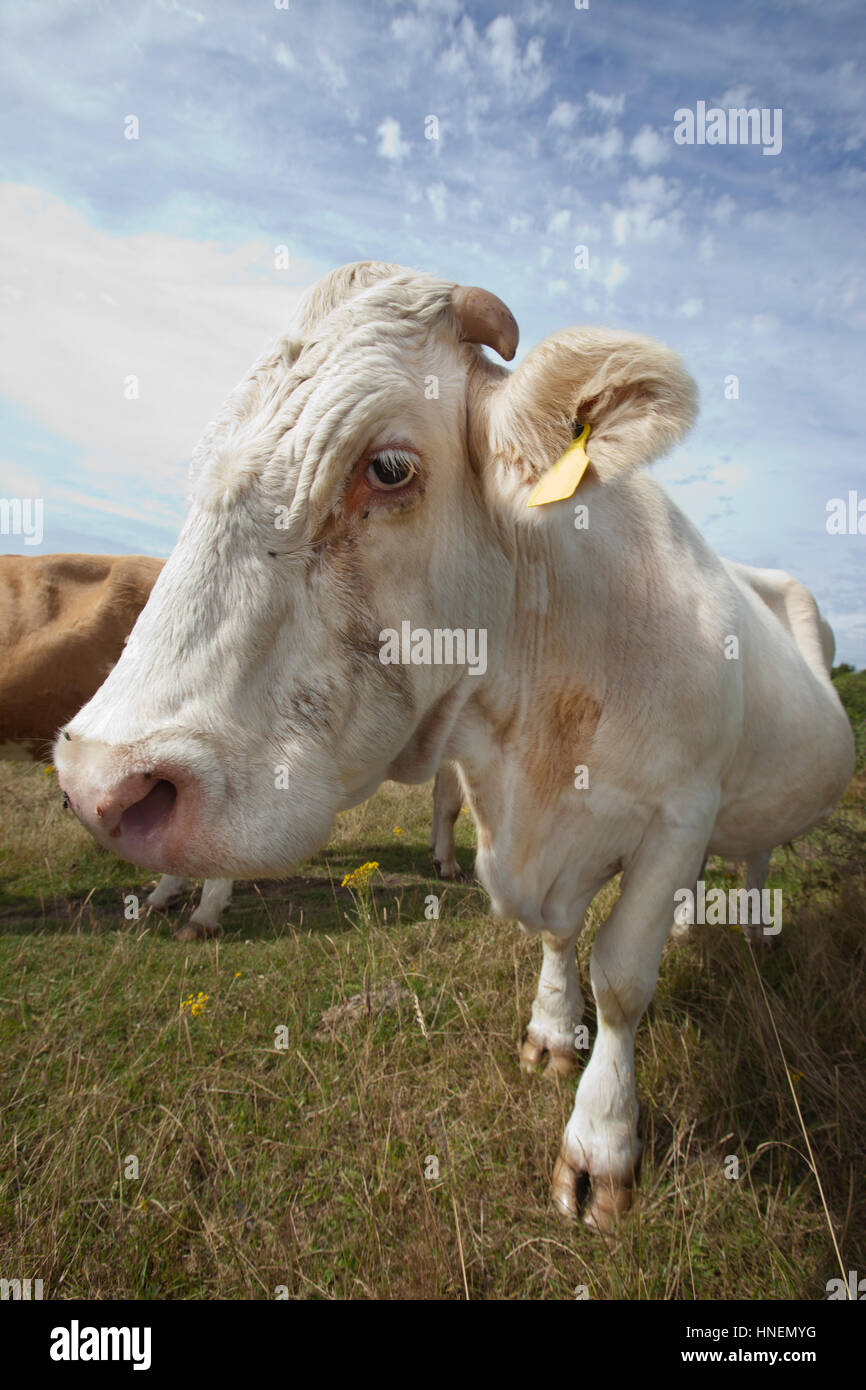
485,319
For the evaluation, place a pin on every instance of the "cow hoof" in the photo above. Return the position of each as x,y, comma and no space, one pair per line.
196,931
532,1054
564,1189
449,873
530,1057
559,1064
608,1203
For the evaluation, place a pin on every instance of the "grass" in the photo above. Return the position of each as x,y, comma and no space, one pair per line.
251,1150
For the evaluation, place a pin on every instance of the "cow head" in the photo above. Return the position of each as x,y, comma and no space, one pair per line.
369,472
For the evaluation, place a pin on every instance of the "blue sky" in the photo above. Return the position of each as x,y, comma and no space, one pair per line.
304,127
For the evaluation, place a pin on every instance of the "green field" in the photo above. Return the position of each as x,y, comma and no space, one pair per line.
277,1150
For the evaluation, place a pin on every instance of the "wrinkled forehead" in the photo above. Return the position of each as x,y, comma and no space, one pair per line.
342,378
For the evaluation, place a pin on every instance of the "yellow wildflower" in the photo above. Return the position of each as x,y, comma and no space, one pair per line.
195,1003
360,877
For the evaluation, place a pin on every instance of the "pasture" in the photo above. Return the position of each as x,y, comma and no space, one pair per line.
282,1147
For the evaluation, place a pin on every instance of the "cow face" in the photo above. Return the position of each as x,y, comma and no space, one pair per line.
355,485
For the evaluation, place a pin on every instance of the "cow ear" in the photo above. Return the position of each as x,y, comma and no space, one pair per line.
635,395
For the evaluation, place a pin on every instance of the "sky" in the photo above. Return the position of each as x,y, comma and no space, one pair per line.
139,277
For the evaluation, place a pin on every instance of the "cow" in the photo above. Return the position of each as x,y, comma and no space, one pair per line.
64,620
71,615
639,707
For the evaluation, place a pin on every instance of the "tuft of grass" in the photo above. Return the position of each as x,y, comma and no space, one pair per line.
149,1150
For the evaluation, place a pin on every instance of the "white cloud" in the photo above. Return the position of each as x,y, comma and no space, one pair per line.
537,11
599,149
650,212
734,96
502,47
649,147
519,223
186,317
475,59
724,209
446,9
654,192
564,115
335,74
391,143
284,56
690,308
608,106
559,221
504,52
615,275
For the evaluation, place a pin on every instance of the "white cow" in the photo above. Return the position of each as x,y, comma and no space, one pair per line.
63,622
373,470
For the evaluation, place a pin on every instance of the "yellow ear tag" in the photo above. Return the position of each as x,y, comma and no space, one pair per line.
561,479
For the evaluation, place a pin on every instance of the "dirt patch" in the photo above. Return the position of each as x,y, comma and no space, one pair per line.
367,1005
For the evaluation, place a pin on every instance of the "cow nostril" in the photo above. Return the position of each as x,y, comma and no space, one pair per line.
151,810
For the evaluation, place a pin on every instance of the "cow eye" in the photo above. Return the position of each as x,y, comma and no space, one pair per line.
390,469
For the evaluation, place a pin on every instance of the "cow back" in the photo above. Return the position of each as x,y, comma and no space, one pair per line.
63,623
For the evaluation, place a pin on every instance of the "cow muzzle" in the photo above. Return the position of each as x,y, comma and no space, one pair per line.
145,814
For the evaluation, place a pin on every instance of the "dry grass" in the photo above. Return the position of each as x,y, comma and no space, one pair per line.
303,1167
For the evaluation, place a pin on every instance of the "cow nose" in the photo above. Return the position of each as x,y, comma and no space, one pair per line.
144,802
149,810
133,808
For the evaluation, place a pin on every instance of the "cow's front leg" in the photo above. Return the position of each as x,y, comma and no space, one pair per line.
216,894
601,1139
556,1010
167,891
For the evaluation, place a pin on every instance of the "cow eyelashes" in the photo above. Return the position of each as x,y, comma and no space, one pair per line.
390,469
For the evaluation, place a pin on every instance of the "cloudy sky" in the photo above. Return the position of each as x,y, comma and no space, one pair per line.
306,127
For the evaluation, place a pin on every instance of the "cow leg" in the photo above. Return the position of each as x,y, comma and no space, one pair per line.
447,800
601,1137
757,868
167,891
556,1010
216,894
682,928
